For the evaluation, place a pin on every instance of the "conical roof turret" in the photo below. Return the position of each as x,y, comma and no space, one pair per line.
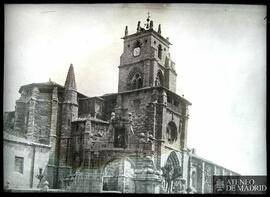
70,83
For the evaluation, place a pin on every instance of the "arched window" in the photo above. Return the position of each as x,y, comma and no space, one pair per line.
159,51
194,179
136,81
139,83
171,132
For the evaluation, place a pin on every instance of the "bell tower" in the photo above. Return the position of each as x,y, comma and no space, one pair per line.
145,61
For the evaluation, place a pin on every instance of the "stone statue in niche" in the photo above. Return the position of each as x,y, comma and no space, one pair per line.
24,93
181,124
120,137
157,82
182,186
112,116
179,186
176,186
164,97
130,118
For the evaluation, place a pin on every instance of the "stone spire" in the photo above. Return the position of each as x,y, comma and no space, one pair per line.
69,113
70,83
159,29
139,26
151,24
126,31
70,92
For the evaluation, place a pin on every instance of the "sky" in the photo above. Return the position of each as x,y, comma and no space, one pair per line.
219,51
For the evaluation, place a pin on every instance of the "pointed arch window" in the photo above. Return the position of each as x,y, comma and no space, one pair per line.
137,81
171,132
134,82
159,51
194,179
172,171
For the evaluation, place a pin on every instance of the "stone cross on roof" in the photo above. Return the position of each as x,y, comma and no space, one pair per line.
147,21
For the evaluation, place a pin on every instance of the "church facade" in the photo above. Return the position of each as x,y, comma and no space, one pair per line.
132,141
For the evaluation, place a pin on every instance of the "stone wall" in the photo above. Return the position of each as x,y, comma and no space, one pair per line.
197,172
9,118
21,111
88,134
136,103
86,181
69,113
99,127
62,172
204,172
51,175
197,167
93,106
171,77
33,157
43,121
33,114
109,105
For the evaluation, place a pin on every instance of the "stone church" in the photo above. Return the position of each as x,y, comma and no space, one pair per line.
132,141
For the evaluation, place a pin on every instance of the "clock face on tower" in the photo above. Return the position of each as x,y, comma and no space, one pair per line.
136,51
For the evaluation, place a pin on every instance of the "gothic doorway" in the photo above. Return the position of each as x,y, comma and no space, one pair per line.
172,172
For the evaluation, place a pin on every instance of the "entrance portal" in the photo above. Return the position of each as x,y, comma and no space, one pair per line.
118,175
